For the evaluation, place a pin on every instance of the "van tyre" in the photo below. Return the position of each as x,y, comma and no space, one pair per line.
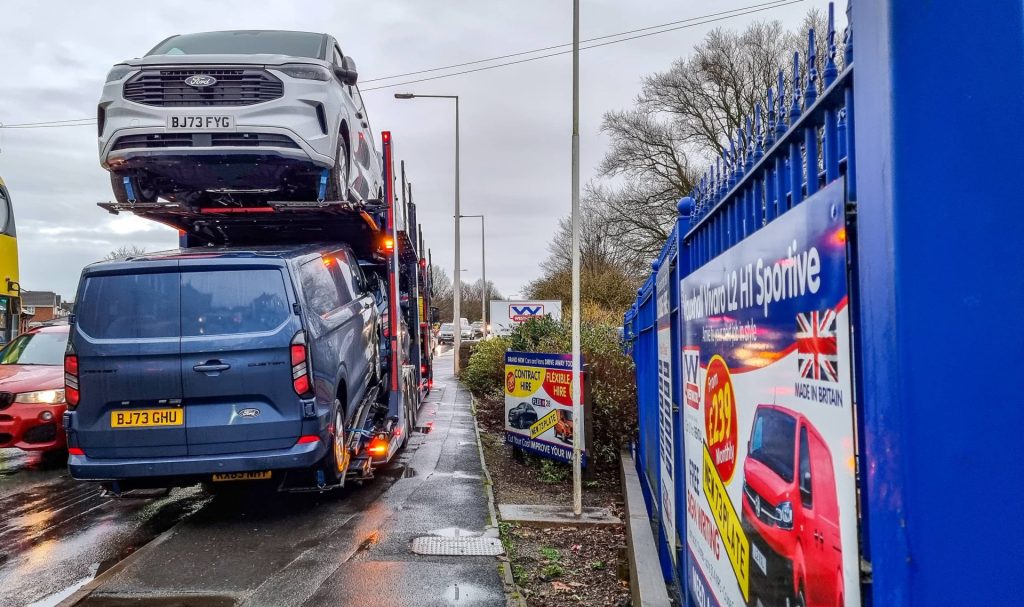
337,178
337,458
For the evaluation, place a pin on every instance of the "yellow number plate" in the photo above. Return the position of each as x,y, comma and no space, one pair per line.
242,476
140,418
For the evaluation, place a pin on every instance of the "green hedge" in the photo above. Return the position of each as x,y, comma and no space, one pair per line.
611,377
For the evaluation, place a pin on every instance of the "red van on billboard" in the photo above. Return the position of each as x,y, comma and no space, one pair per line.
791,513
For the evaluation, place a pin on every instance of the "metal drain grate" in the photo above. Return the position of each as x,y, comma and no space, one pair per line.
458,546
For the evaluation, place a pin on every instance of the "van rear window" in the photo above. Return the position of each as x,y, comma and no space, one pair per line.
168,304
127,306
226,302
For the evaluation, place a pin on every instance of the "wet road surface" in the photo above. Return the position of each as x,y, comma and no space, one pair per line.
253,548
56,533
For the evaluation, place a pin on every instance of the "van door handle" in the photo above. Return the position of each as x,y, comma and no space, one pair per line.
211,366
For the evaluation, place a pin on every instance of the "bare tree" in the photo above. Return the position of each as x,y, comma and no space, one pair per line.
608,271
686,116
473,298
124,252
441,292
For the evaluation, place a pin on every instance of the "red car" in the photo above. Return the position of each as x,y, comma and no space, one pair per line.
791,513
32,390
563,429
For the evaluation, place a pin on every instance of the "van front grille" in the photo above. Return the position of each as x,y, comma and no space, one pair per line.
233,86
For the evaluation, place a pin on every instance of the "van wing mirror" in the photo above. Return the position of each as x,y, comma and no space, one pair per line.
435,314
347,73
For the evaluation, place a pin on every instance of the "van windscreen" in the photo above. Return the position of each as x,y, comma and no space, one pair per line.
227,302
773,442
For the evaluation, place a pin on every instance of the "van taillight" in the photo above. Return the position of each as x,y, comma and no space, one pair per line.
300,364
71,393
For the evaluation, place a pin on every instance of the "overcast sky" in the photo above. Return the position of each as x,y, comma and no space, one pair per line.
515,121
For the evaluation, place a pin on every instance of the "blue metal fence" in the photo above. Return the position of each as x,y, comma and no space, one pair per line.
935,286
799,141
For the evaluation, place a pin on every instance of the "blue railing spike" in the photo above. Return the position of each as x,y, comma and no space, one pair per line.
741,153
830,59
794,108
720,181
769,126
848,40
780,124
716,184
749,148
758,130
811,92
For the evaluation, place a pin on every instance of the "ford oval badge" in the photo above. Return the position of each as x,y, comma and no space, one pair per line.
251,412
200,81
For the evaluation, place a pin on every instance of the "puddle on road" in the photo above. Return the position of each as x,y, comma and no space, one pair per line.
54,599
13,461
465,593
399,471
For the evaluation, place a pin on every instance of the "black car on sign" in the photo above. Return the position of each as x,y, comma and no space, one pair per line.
522,416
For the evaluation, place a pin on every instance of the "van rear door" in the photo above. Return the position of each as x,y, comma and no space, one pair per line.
237,324
126,336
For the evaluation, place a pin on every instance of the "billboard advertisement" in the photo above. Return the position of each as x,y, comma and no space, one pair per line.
666,441
538,404
771,502
505,314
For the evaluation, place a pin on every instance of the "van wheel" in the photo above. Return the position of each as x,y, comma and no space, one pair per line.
337,178
340,446
337,458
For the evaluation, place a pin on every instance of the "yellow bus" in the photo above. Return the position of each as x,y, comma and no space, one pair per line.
10,298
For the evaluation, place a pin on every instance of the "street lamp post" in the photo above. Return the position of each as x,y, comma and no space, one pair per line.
577,392
483,270
456,312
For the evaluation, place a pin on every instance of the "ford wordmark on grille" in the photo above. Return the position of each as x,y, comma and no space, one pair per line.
200,81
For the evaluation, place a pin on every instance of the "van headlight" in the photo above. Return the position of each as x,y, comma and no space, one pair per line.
784,514
305,71
118,72
41,397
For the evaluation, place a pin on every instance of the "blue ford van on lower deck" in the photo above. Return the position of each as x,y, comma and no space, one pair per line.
218,363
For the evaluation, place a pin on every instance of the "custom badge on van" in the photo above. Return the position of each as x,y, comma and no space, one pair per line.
249,412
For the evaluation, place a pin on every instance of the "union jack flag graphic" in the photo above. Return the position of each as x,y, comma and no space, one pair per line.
816,345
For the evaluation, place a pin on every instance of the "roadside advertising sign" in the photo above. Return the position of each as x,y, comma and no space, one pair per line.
665,415
771,501
538,404
507,313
